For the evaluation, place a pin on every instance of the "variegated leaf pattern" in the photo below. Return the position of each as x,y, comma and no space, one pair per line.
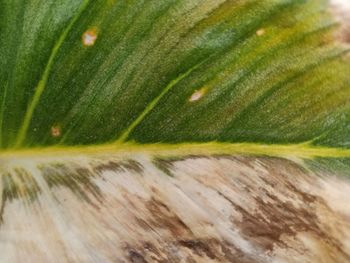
174,131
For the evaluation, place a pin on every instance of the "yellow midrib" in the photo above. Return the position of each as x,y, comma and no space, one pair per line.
303,150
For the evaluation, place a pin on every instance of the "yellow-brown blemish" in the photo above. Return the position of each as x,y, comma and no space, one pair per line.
89,37
55,131
197,95
260,32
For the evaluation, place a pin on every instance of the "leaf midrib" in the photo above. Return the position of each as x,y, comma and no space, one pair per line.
301,150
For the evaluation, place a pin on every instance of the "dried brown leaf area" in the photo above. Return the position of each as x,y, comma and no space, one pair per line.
341,10
195,209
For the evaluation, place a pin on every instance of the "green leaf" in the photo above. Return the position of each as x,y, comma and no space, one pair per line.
173,131
171,71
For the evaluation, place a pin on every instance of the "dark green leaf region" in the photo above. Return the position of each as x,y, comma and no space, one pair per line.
89,72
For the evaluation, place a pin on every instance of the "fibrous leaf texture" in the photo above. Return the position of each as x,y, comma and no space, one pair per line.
173,131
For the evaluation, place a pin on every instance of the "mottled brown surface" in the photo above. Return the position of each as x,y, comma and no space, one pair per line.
211,209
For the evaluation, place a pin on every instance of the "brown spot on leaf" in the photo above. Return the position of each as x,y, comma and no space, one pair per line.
206,249
17,184
198,247
267,224
120,166
164,218
136,257
164,165
56,131
75,178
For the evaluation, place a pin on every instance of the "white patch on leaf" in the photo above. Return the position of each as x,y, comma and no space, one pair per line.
89,37
260,32
197,95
